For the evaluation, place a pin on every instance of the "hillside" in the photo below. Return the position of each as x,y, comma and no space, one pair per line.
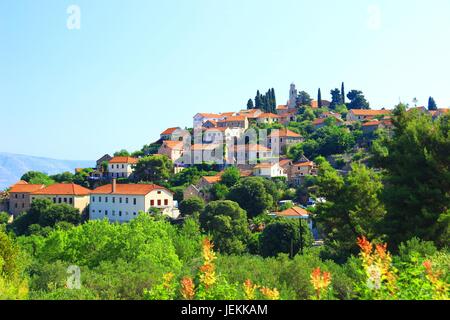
13,166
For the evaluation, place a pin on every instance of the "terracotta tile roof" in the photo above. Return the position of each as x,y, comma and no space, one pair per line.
228,114
26,188
268,115
373,113
249,111
282,107
124,160
234,118
264,165
212,179
21,182
170,131
371,123
285,133
304,164
178,145
210,115
205,146
285,162
71,189
246,173
319,121
128,189
293,212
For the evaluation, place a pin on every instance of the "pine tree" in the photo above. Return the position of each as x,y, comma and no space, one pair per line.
319,99
432,106
336,98
250,104
343,93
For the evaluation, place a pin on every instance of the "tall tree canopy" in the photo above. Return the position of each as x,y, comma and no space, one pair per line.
353,207
227,223
357,100
336,98
303,99
343,93
155,169
432,106
417,164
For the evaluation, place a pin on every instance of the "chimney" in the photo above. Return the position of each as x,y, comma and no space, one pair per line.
114,184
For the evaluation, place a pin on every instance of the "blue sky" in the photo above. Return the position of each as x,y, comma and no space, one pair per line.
136,67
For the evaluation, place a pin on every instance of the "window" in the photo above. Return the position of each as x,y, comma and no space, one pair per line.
70,200
106,199
59,200
65,200
126,200
114,199
134,213
15,205
93,199
120,200
54,200
23,205
23,196
152,202
166,202
134,201
106,212
120,213
123,166
16,195
159,202
93,211
100,199
159,192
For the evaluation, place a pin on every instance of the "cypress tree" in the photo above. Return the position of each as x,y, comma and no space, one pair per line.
343,93
258,100
319,99
432,106
250,104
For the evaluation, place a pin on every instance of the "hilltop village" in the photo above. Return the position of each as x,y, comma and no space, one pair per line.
280,143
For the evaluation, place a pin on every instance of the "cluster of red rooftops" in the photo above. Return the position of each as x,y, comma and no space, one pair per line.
215,130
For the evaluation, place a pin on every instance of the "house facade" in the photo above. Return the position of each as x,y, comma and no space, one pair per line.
280,140
362,114
172,149
269,170
123,202
121,167
65,193
20,197
234,122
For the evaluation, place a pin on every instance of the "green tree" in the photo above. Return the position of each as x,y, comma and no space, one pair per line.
35,177
432,106
283,236
192,205
343,93
357,100
251,194
219,191
336,98
250,104
230,176
353,208
416,160
303,99
65,177
4,218
227,223
122,153
319,99
155,169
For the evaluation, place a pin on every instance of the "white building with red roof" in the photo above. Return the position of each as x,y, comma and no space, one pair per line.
121,167
123,202
64,193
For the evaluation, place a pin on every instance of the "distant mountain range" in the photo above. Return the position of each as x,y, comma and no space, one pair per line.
13,166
